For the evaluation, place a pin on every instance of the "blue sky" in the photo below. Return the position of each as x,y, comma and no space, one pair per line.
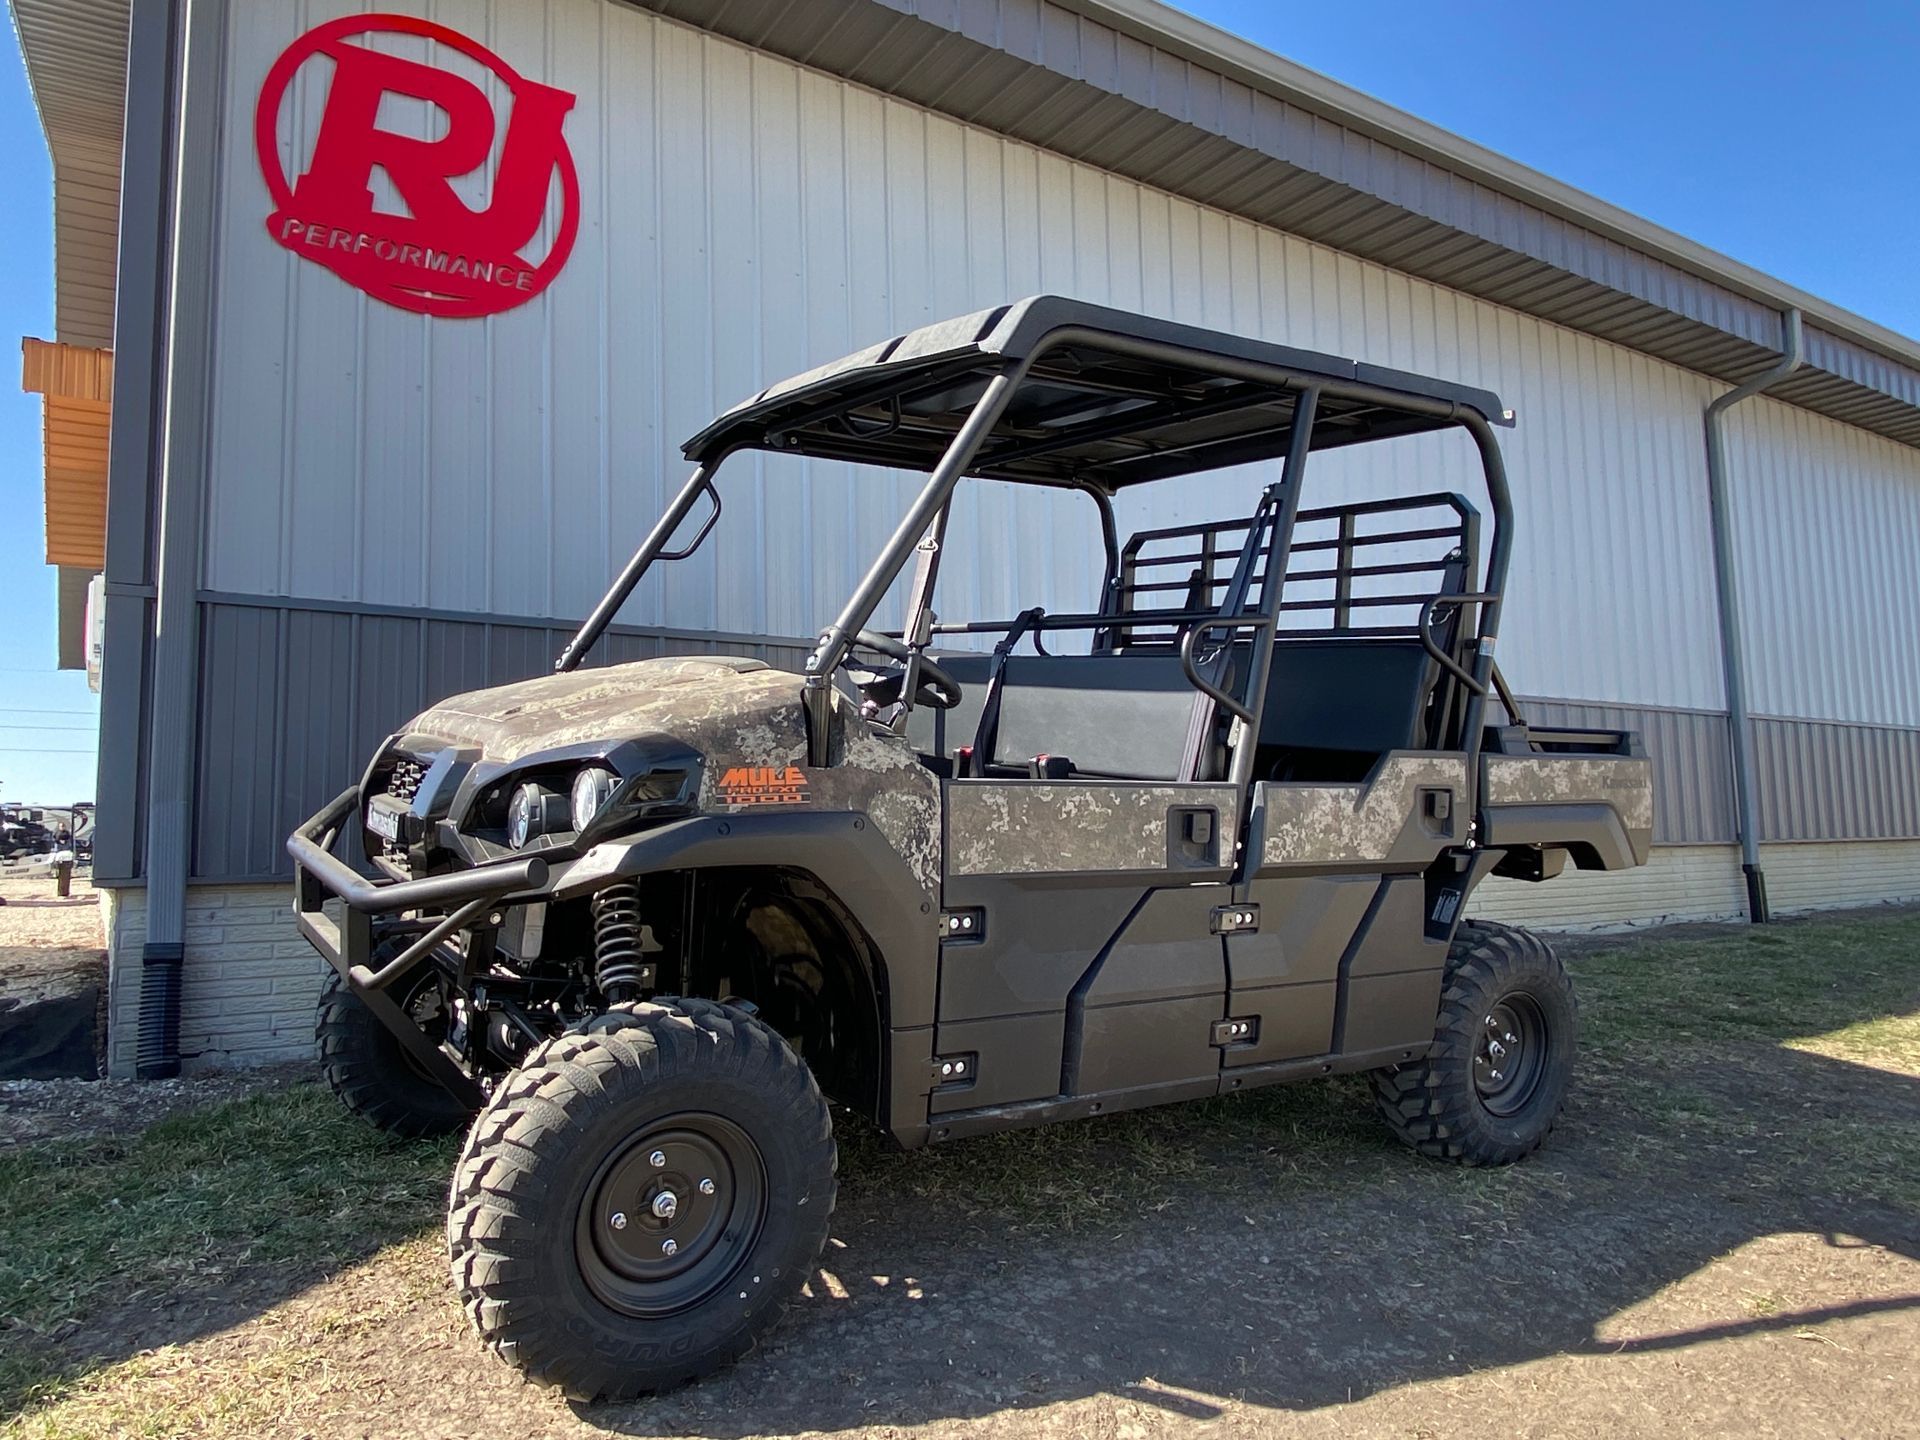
45,716
1779,133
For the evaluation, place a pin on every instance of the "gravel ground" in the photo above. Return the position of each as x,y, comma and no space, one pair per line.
66,1109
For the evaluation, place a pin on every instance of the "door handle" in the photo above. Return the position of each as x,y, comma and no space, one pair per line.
1195,834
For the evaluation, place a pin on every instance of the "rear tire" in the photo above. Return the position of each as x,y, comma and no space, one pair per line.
364,1064
1503,1052
641,1199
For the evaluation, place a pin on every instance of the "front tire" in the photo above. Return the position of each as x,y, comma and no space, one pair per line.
1502,1059
641,1199
365,1064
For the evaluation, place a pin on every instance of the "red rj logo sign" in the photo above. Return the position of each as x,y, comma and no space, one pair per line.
439,257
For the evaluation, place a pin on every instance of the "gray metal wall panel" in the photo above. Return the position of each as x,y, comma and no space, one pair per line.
315,687
747,217
296,699
237,759
753,218
1826,522
1821,781
1817,780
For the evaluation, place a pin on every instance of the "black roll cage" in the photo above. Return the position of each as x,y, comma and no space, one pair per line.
922,529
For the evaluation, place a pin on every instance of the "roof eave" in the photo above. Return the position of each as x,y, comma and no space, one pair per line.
1177,31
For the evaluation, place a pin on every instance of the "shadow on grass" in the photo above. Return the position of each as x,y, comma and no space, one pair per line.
1276,1248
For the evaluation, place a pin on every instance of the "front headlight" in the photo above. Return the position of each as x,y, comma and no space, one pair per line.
592,788
533,811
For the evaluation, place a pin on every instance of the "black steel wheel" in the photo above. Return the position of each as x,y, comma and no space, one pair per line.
374,1075
1497,1076
671,1217
642,1198
1510,1058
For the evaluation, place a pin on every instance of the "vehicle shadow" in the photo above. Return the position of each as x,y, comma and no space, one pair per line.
1295,1279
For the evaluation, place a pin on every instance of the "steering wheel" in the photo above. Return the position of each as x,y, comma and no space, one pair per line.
937,688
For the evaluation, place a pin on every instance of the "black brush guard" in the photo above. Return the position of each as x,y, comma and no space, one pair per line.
349,943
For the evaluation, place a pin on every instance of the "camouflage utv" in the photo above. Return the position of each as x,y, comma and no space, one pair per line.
633,926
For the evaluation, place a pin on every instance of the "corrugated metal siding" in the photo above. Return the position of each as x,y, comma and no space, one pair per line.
295,700
1128,93
1827,527
1816,780
744,218
1135,100
1821,781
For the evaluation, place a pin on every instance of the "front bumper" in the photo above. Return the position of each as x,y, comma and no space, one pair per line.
348,943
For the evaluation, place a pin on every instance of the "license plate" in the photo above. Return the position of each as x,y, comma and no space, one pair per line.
383,823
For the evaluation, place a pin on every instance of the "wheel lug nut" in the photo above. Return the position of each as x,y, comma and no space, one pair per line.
706,1187
658,1159
669,1247
618,1220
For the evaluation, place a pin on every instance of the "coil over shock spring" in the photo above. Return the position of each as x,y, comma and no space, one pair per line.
619,965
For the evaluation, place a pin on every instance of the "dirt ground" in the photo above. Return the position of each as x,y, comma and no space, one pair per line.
1720,1239
52,952
53,946
41,934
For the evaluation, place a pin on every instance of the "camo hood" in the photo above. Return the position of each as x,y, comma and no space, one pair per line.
734,711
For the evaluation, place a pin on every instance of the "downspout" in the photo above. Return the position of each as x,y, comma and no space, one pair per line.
174,699
1732,655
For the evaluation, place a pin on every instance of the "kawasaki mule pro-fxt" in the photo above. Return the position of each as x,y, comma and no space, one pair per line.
633,924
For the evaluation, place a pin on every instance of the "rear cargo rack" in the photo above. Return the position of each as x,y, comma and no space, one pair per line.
1351,591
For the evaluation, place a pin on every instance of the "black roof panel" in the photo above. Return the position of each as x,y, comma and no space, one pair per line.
1114,398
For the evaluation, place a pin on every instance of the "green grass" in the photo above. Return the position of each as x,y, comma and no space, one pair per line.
1699,1041
1706,1050
276,1182
1828,985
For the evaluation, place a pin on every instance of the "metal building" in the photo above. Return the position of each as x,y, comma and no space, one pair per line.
324,508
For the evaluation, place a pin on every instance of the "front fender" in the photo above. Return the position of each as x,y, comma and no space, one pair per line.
845,852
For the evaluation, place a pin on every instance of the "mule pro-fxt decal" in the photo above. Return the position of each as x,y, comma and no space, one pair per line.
746,786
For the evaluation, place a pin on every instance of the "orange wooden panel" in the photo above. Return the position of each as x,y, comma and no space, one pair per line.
78,385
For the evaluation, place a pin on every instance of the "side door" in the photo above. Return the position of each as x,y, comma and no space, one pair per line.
1338,959
1078,953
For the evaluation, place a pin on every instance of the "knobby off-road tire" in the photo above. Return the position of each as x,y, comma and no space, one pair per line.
555,1224
367,1067
1502,1057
